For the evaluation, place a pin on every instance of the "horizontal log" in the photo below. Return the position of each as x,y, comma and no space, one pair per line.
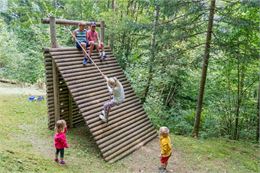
60,56
120,133
89,67
93,84
78,73
77,118
78,122
89,114
75,51
51,116
90,77
129,150
68,22
86,81
100,104
59,49
78,60
101,99
95,122
87,85
76,113
95,109
131,138
109,129
129,145
64,109
96,92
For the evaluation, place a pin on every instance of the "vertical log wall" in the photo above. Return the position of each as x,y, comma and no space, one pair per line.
67,108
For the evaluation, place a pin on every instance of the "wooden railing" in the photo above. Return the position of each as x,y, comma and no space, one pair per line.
53,21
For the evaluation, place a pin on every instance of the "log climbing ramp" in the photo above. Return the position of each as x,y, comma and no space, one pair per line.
76,93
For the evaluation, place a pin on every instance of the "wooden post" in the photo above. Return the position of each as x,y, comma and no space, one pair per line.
70,111
54,43
56,91
102,28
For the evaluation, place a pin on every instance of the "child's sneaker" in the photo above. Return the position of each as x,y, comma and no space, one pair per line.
104,56
162,170
85,61
89,60
62,162
102,117
56,160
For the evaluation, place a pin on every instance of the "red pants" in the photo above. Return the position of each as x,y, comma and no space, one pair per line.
164,160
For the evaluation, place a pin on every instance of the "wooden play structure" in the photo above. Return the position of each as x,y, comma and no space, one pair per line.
76,93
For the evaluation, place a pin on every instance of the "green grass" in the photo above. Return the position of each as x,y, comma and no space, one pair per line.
218,155
26,145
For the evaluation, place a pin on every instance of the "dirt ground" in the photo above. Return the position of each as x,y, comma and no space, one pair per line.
146,159
10,89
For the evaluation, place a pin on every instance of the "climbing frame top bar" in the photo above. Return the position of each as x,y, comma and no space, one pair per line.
68,22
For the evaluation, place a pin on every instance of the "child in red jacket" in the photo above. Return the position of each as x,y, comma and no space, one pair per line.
60,140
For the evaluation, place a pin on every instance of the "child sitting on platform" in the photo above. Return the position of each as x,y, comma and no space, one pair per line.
81,35
60,140
117,94
166,148
94,42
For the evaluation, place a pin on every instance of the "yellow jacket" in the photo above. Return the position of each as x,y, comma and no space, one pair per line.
165,145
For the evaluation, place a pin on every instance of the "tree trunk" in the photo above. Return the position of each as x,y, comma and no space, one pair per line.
258,115
238,100
113,23
81,12
195,132
153,51
230,107
113,4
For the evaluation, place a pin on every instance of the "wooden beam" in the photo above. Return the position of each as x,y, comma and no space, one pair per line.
54,43
56,91
67,22
70,111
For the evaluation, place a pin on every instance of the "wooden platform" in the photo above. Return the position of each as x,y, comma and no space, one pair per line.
80,97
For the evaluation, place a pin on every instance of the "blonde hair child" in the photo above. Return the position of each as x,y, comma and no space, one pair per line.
117,94
165,147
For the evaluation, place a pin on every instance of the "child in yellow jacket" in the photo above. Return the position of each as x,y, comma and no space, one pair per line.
166,147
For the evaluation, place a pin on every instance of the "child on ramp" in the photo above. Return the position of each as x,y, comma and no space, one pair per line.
117,94
60,140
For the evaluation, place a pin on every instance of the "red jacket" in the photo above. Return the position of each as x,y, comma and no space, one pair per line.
60,140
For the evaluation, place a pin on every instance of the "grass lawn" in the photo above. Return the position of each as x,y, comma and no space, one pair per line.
218,155
26,145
